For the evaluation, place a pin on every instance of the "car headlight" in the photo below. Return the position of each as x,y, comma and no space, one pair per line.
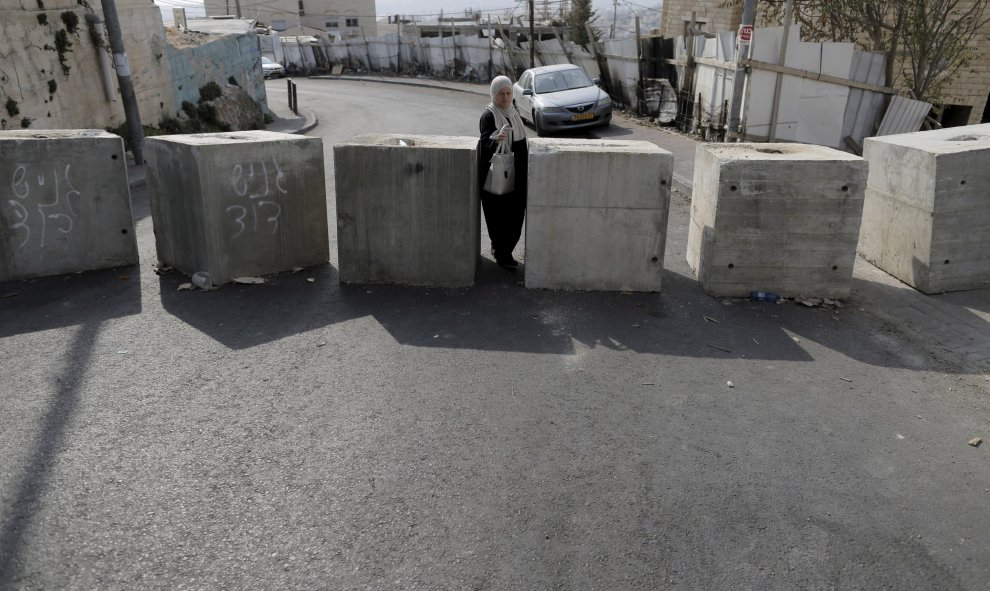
551,110
605,102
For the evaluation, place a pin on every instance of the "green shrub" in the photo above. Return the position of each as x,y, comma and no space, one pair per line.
209,91
207,113
189,109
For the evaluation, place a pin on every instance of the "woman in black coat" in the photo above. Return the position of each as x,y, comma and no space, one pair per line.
504,214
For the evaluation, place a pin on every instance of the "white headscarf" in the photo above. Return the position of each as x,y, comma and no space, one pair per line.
503,116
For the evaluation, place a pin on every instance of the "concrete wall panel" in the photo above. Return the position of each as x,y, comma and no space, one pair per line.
64,203
775,217
407,209
238,204
597,214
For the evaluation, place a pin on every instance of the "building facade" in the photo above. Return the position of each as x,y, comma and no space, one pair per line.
966,96
339,19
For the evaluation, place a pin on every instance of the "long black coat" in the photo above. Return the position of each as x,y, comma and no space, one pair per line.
504,214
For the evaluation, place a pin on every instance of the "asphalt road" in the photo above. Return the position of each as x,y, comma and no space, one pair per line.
299,435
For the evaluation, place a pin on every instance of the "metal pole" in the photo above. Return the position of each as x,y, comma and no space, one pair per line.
639,63
237,6
738,83
532,38
398,37
615,13
788,13
131,112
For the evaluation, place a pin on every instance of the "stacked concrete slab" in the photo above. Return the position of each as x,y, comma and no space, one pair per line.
407,209
781,218
238,204
596,214
65,205
926,219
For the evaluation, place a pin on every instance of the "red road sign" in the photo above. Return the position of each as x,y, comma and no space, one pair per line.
745,33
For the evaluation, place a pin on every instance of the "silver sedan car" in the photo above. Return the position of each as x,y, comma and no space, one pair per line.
561,97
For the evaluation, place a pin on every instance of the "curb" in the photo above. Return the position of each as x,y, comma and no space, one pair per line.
404,82
311,121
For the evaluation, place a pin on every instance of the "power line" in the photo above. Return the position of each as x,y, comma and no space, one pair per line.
631,4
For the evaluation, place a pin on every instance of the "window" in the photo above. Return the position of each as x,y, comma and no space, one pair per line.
352,22
332,25
302,11
956,115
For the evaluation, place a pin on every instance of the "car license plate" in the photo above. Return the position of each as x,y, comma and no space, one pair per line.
584,116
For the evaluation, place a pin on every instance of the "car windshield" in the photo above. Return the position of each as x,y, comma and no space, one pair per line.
562,80
266,60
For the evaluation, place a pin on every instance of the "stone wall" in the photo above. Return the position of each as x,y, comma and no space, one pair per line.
50,72
972,84
51,76
712,13
215,58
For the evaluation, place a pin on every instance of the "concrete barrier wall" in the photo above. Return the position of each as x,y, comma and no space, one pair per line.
783,218
926,218
65,205
597,214
238,204
407,209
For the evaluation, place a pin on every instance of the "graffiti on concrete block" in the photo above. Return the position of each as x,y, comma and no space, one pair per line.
257,185
44,205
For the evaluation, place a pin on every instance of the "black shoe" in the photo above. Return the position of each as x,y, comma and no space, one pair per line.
507,262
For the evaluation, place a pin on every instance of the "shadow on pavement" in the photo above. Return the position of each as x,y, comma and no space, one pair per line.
243,316
29,492
957,322
67,300
499,314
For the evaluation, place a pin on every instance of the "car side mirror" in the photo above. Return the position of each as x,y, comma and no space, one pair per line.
527,92
597,81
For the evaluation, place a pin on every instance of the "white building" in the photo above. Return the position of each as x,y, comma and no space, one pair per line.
337,18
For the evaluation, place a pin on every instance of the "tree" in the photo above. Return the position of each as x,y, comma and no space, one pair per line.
938,38
581,13
934,38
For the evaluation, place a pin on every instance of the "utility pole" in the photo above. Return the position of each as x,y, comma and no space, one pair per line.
398,39
615,13
532,36
742,53
131,112
237,6
775,110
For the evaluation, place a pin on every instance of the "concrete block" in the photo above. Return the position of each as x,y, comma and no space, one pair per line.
775,217
926,219
238,204
596,216
65,205
407,209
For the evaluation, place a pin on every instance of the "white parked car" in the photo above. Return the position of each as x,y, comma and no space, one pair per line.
271,69
561,97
